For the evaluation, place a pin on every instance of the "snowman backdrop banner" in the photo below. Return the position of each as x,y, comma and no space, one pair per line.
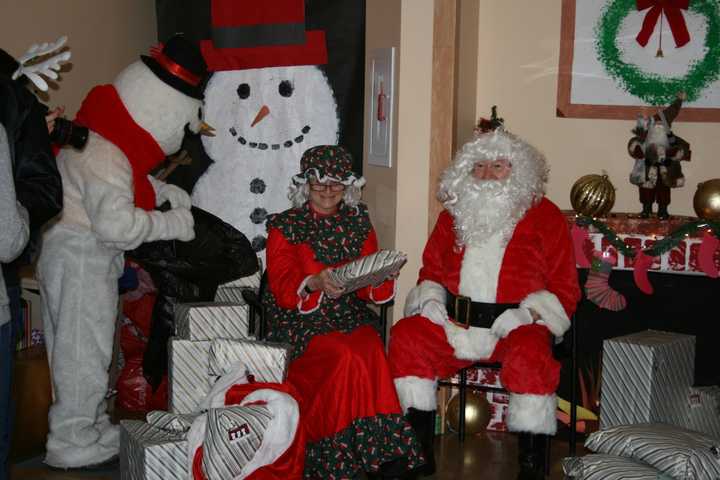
621,56
269,101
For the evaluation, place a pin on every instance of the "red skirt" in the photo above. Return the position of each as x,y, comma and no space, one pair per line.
340,378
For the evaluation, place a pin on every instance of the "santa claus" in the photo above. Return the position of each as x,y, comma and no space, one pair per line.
498,282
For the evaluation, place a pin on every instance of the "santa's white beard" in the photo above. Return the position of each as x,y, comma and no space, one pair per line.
485,208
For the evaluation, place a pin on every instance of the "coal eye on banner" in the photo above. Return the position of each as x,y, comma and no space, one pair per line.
243,91
286,88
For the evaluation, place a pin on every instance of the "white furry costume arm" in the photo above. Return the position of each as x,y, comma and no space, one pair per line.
13,216
165,192
105,178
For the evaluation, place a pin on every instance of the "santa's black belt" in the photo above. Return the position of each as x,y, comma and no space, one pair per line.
474,314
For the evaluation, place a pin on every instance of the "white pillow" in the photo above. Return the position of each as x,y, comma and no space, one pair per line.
677,452
607,467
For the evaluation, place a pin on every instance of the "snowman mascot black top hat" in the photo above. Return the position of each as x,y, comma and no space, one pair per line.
109,202
269,102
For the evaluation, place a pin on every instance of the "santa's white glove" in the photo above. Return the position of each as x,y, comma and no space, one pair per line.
177,197
509,320
435,311
181,224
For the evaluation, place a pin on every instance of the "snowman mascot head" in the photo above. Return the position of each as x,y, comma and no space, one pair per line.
269,102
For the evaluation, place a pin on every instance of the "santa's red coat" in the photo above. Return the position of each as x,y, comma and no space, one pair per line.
536,269
539,256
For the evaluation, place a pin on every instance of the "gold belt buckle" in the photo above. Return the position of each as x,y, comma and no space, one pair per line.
462,300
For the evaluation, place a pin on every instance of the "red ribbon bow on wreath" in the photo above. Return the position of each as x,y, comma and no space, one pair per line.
672,10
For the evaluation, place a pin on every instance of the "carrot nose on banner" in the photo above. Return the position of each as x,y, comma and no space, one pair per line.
262,113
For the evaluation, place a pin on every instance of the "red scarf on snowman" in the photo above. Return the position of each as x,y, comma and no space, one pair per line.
104,113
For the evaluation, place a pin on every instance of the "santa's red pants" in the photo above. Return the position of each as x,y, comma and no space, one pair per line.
419,348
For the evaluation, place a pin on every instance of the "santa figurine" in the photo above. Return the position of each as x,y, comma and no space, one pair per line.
498,284
658,152
109,207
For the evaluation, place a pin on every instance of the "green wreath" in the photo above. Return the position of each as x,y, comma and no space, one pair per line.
652,88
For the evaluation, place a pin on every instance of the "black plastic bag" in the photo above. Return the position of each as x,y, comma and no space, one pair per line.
189,272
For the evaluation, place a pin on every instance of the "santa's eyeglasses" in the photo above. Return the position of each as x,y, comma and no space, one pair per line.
332,186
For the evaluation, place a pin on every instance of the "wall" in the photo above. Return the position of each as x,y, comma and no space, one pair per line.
519,44
104,36
397,197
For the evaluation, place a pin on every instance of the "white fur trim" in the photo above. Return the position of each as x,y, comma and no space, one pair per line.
552,314
303,296
422,293
532,413
473,343
281,431
480,269
416,392
380,302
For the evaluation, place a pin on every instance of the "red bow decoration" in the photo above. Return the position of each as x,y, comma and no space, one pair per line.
672,10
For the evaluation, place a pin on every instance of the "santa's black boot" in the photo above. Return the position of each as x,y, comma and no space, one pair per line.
663,212
646,211
423,422
532,456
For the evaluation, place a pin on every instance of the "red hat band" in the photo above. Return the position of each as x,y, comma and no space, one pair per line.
176,69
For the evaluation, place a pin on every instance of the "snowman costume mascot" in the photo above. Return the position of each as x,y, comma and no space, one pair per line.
269,102
109,202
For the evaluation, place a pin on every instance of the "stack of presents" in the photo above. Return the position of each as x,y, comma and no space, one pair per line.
653,422
212,340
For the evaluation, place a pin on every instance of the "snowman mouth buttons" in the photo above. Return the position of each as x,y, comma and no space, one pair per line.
274,146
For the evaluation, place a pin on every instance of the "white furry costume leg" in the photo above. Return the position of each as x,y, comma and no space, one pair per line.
78,281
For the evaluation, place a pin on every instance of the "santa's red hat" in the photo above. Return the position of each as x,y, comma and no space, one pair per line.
257,34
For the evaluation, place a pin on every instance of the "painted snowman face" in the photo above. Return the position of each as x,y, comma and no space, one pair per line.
267,111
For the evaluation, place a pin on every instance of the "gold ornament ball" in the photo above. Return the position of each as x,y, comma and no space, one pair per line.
707,200
593,195
477,413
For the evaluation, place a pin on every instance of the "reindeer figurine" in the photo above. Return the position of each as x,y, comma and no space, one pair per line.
658,152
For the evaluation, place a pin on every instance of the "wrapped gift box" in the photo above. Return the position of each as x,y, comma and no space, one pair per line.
265,361
188,378
251,281
498,411
210,320
704,410
645,378
481,376
231,292
371,269
151,453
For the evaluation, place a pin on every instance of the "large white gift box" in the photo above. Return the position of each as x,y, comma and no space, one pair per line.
211,320
645,378
148,452
232,291
265,361
188,379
